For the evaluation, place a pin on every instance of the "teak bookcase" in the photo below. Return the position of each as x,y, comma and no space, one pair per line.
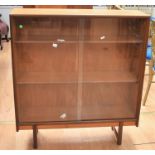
78,68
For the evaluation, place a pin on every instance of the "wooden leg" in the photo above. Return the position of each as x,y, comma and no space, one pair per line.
118,133
37,130
149,82
112,128
35,143
17,128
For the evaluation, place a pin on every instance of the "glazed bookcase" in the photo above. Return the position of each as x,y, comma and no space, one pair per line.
78,68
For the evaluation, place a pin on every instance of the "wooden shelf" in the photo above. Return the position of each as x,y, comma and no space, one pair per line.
88,77
44,38
46,77
113,38
70,39
109,76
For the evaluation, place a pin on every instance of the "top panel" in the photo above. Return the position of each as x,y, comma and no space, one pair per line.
77,12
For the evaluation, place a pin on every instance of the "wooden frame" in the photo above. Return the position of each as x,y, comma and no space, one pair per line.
98,91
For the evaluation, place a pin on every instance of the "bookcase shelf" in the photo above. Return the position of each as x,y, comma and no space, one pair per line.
72,39
88,77
77,68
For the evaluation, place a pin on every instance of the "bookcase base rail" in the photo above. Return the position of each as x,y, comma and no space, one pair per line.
118,133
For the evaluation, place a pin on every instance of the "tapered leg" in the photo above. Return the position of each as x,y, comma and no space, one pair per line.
149,82
112,128
17,128
35,142
118,133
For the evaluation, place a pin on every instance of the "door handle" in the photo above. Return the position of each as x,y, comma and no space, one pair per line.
60,40
55,44
63,115
102,37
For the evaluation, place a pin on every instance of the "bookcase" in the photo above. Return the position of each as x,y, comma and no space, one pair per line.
78,68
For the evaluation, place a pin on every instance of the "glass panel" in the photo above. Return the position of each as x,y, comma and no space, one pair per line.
108,101
112,30
110,62
77,69
43,63
46,29
52,102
